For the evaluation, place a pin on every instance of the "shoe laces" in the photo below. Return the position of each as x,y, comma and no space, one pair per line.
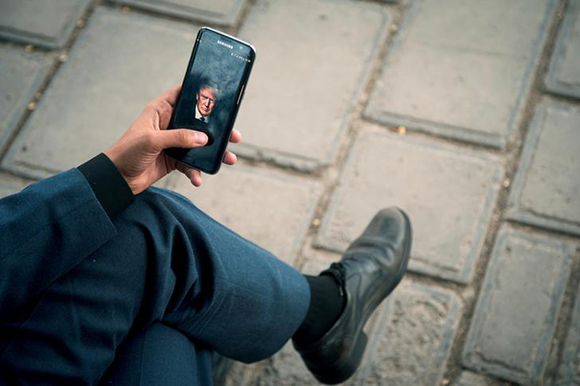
337,271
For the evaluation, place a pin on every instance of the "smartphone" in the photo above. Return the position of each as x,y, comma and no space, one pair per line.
211,93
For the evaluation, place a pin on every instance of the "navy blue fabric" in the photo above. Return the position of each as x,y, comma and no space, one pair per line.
160,356
75,286
46,230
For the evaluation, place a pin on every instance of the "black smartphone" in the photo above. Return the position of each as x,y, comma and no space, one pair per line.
211,94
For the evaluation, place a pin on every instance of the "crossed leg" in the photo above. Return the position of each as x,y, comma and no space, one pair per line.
171,264
160,356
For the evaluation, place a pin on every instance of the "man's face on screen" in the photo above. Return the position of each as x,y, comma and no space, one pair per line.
206,100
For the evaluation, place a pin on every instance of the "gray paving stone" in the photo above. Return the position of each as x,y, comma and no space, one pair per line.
448,193
269,208
564,73
116,67
40,22
462,69
286,368
21,74
546,190
569,371
467,378
10,185
306,80
220,12
516,314
412,343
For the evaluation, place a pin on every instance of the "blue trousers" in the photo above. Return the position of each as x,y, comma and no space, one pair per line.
154,303
160,355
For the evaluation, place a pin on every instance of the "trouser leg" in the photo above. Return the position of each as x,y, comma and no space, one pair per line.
169,262
160,356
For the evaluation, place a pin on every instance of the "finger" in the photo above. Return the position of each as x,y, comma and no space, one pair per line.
194,175
164,104
236,136
196,178
230,158
170,96
183,138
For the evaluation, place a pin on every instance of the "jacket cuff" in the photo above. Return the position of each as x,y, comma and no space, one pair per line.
108,185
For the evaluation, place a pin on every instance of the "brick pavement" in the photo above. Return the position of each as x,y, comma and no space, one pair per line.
465,113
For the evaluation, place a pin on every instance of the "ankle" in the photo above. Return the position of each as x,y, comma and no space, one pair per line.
327,302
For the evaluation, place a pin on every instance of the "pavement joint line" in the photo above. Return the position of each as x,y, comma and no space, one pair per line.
552,233
484,139
336,168
564,323
568,251
25,115
174,18
552,84
454,363
305,164
37,97
33,100
512,154
329,175
67,42
559,98
410,131
247,7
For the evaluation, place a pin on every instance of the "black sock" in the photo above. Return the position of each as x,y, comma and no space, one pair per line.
326,304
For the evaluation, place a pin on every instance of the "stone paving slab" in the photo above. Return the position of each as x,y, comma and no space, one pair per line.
449,194
306,80
10,185
546,190
563,76
43,23
517,310
412,342
467,378
569,371
22,75
219,12
269,208
462,69
118,64
286,368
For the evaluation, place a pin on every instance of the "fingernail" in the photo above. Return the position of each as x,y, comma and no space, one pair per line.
200,138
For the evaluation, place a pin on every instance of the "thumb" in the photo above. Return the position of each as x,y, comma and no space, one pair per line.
183,138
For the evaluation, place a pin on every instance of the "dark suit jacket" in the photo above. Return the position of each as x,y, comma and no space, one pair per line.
52,225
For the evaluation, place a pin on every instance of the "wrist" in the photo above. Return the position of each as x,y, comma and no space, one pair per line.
108,184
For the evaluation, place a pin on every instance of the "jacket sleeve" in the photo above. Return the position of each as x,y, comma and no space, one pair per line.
52,225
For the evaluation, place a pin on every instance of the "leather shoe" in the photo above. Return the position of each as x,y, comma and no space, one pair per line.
370,269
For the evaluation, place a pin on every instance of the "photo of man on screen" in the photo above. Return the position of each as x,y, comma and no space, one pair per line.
206,98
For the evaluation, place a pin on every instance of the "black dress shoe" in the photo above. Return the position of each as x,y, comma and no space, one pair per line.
370,269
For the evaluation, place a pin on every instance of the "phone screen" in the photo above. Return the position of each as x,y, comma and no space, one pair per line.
210,96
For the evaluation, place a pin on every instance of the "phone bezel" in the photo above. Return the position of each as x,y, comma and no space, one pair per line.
242,87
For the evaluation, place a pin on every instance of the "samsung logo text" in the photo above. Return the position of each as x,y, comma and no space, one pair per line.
225,44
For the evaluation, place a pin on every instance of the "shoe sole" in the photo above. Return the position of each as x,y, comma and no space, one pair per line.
341,372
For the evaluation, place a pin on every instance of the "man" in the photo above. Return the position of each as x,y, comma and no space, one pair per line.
205,101
108,280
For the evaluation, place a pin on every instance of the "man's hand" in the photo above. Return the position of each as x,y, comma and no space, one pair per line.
139,153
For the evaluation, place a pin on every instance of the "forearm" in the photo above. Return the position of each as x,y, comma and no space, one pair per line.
51,226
